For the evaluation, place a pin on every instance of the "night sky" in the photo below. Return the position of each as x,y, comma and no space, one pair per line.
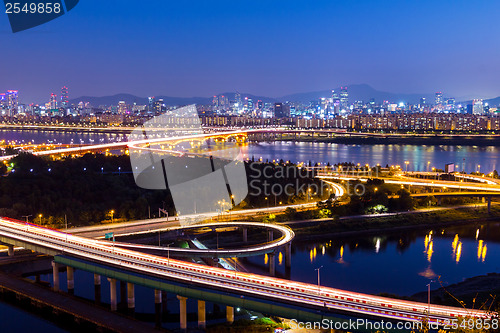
263,47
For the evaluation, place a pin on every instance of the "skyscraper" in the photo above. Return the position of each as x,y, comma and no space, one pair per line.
281,110
335,102
237,99
151,103
12,102
122,107
439,99
344,98
477,106
64,97
53,101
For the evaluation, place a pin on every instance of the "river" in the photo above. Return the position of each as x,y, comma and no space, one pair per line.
399,263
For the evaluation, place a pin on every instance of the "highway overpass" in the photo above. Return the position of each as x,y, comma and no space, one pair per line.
250,291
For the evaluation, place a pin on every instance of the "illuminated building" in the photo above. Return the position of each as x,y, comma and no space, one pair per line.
53,101
64,97
344,99
477,106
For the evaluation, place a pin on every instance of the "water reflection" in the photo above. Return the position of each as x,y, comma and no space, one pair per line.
459,252
401,265
466,157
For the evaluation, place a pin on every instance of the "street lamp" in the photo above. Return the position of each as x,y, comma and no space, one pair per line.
168,253
319,286
478,169
40,217
428,163
429,300
406,165
112,212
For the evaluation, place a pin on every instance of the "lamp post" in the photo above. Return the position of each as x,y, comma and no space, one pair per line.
429,301
168,253
428,164
40,217
319,285
406,166
112,212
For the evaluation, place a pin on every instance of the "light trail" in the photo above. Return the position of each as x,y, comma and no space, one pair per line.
270,288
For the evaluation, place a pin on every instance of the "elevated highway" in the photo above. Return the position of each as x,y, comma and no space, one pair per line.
286,236
278,291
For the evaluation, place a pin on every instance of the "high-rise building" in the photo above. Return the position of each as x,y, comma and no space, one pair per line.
450,104
439,99
344,98
53,101
237,99
477,106
122,107
281,110
151,103
12,102
260,105
64,97
160,106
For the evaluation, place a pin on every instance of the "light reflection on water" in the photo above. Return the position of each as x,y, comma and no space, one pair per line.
466,157
398,263
421,158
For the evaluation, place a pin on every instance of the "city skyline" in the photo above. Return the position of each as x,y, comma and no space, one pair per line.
275,49
366,91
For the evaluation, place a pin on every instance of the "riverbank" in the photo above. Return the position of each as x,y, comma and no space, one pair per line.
479,292
353,226
394,139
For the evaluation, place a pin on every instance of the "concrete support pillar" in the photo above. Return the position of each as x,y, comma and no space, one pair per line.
272,266
55,275
130,297
158,295
10,250
270,236
164,305
489,205
230,314
182,312
112,294
245,235
439,201
70,275
201,315
288,255
97,289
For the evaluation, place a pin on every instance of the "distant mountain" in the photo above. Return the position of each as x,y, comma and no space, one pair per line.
131,99
492,101
357,92
360,92
254,98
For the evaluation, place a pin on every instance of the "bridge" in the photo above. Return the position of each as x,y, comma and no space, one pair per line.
249,291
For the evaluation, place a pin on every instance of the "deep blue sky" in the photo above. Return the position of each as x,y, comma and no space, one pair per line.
267,47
